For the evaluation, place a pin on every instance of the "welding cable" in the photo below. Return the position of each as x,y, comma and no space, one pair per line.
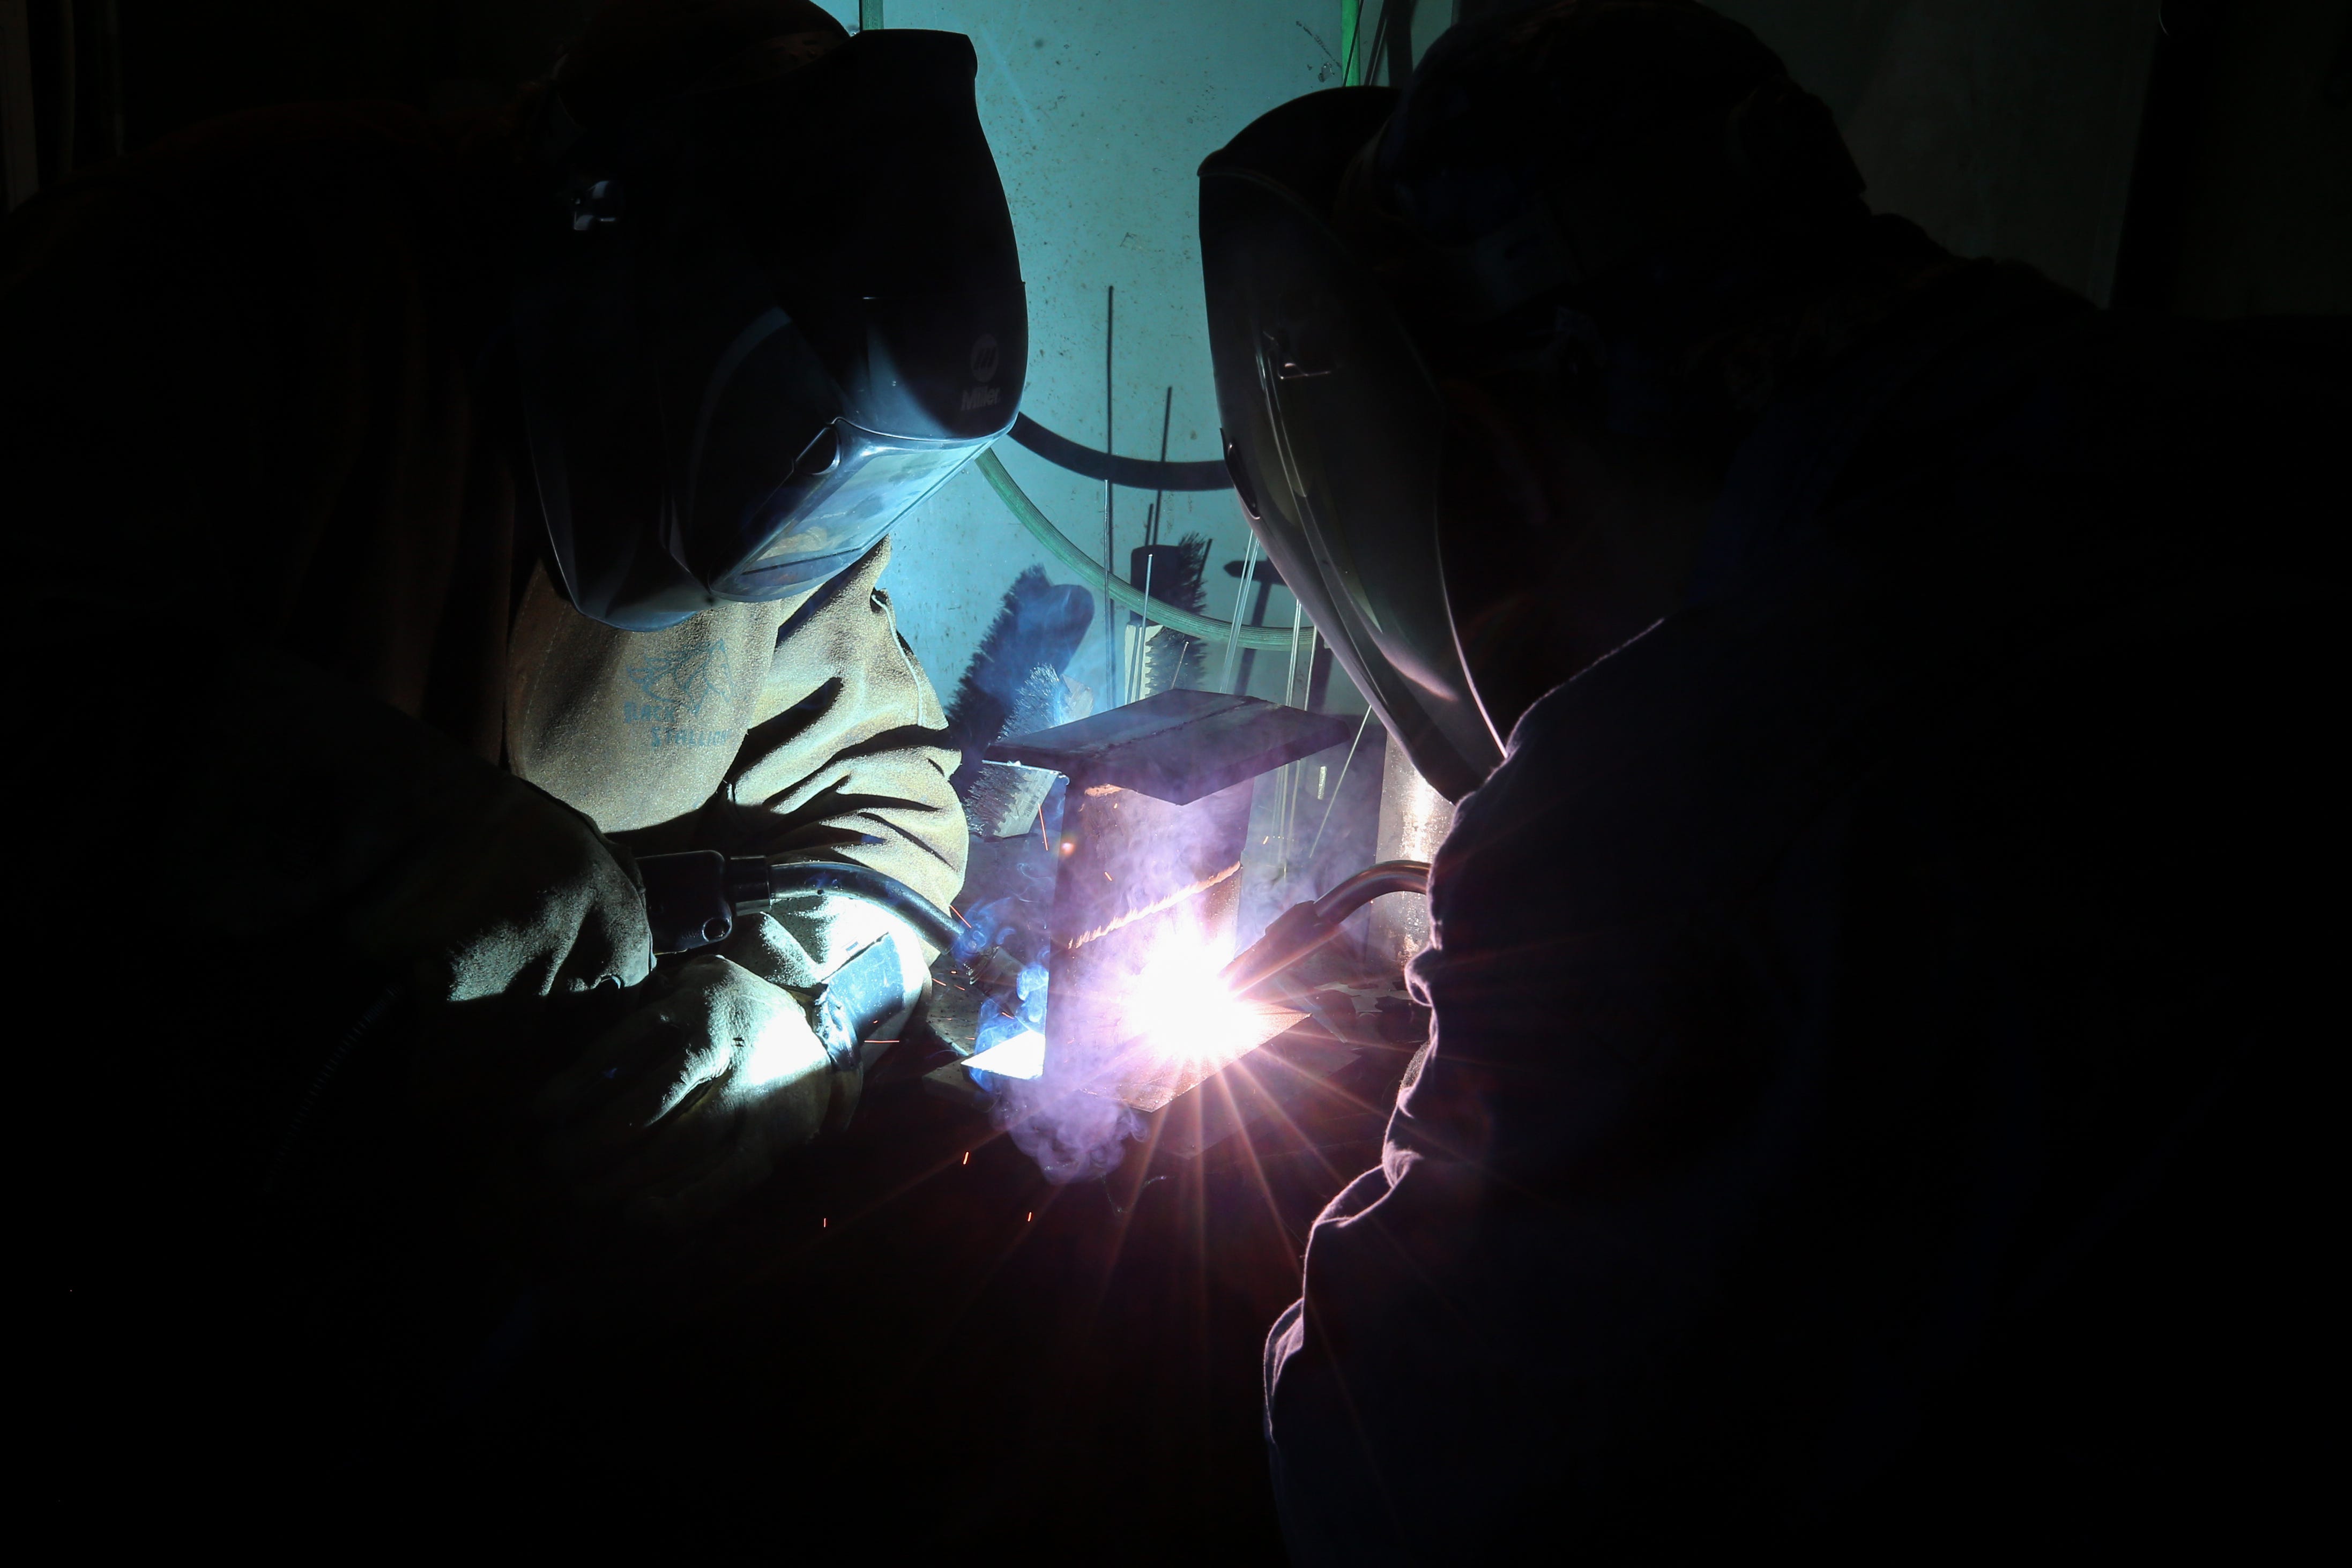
1302,928
1135,472
936,926
1062,548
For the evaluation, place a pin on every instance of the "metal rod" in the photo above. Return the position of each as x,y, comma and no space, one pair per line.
1233,630
1110,549
1257,618
1336,786
1294,773
1143,631
1159,498
1290,678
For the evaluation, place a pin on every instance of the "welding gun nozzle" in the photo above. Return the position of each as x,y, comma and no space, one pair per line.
1302,927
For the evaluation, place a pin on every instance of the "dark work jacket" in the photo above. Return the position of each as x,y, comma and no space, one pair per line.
1872,1100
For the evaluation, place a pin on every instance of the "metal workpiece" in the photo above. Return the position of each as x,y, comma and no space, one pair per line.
1146,864
1138,877
960,989
1177,747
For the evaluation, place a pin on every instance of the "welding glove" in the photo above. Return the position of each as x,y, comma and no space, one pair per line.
512,893
686,1104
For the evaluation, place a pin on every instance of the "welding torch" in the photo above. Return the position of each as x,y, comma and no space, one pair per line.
1302,927
693,897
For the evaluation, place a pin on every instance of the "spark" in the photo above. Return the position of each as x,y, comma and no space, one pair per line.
1020,1055
1183,1025
967,1156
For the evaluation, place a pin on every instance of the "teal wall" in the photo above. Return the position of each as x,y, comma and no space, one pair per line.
1099,111
2005,127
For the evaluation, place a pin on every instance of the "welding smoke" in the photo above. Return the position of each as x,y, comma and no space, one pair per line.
1072,1135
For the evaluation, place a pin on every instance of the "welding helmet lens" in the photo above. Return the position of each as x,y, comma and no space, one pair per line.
762,322
842,495
1334,434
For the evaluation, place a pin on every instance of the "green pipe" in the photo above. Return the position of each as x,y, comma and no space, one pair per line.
1062,548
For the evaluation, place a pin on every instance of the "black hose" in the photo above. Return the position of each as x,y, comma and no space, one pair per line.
1389,876
938,926
1135,472
1302,927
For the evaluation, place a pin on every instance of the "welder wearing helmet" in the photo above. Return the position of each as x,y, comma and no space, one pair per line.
410,515
1869,1104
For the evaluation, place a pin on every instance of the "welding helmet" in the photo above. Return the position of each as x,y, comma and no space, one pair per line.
1599,197
753,325
1334,426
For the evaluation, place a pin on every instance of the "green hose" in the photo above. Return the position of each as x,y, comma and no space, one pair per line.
1059,546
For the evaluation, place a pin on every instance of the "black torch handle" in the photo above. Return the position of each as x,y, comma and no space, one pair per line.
692,897
756,881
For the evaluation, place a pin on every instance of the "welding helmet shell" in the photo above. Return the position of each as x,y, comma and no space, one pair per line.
754,325
1334,426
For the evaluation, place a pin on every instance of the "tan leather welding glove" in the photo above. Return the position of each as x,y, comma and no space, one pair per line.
683,1107
511,893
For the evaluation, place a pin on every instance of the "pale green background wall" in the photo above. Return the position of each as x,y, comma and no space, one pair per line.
1099,111
2005,127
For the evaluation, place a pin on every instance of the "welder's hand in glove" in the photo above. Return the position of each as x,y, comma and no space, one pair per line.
683,1107
515,895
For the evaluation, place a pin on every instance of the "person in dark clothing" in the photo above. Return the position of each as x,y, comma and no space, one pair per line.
1871,1104
418,519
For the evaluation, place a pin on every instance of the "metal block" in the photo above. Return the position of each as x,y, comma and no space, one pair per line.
1141,879
1178,746
1149,881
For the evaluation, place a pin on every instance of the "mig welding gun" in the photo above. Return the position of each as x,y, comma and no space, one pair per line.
692,900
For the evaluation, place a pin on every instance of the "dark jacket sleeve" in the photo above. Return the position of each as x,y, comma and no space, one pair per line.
1866,1071
1501,1325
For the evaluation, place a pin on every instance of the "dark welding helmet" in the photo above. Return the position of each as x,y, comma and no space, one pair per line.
1334,427
754,325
